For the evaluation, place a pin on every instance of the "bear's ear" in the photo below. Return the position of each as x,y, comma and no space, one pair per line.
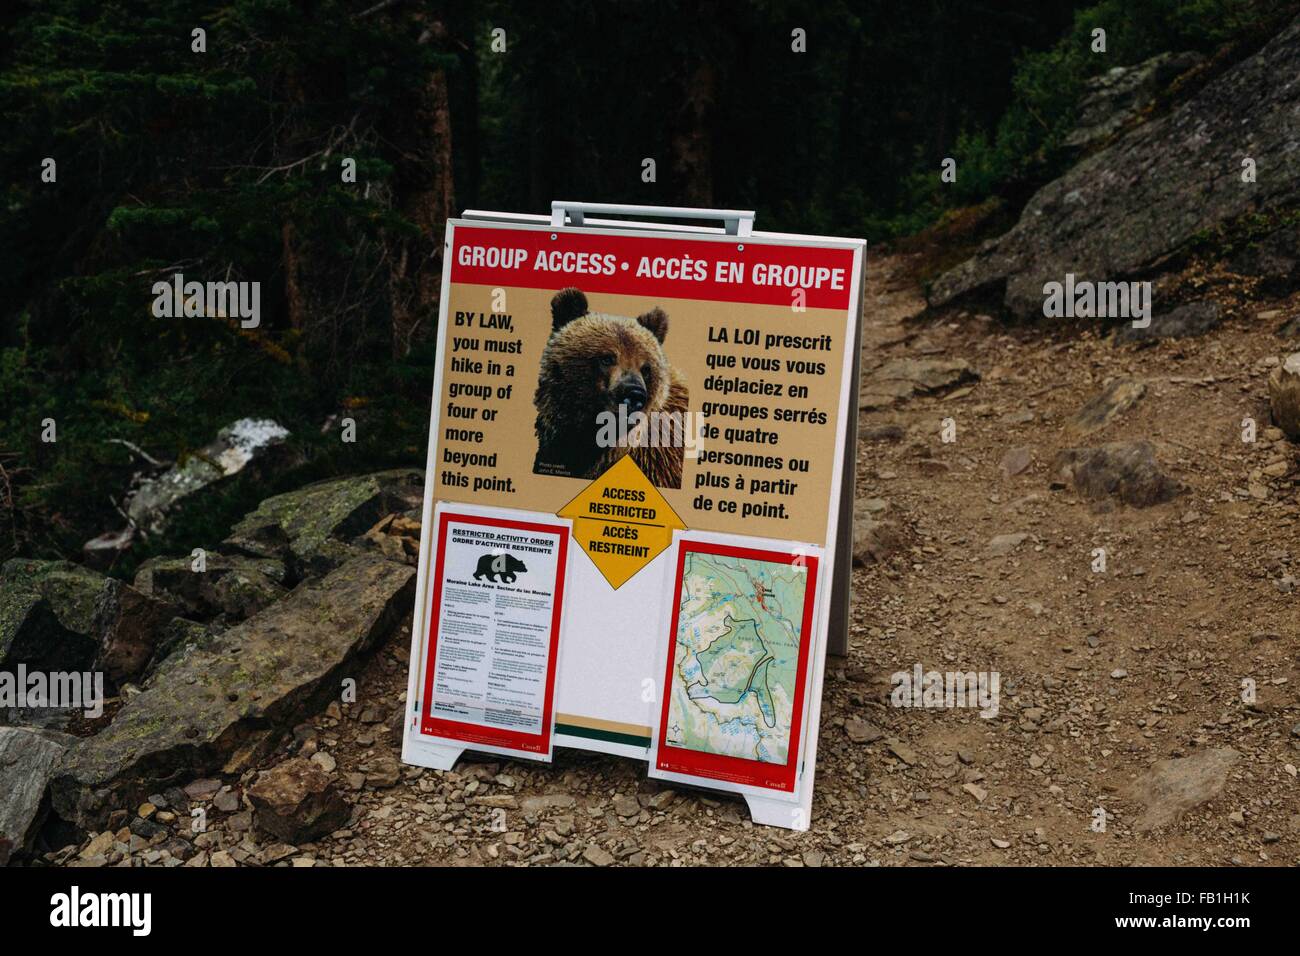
656,320
567,305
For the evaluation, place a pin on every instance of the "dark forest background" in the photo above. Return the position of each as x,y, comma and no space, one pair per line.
226,165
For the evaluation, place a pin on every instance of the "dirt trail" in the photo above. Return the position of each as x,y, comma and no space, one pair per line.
1102,674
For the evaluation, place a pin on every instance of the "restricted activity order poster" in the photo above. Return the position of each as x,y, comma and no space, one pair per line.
494,634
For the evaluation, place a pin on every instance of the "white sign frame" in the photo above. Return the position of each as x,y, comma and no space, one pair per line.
764,807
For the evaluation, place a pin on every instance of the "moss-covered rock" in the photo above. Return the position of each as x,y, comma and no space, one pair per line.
221,704
127,627
312,527
230,586
178,636
47,611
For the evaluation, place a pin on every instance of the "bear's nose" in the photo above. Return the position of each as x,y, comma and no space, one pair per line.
634,397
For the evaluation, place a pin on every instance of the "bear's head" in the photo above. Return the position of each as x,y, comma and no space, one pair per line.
598,362
514,564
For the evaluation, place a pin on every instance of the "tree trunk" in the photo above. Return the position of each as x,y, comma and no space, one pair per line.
693,143
424,196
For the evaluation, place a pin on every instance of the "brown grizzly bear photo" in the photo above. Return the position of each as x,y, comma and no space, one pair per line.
599,368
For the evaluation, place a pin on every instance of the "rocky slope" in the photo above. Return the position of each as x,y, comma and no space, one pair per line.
1123,211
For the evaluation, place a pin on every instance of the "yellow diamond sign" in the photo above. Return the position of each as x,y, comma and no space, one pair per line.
621,521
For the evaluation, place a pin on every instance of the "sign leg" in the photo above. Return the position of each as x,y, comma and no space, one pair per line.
777,813
434,755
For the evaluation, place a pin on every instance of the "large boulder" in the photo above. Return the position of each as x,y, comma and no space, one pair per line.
1183,321
1284,395
218,705
1127,471
27,759
127,627
47,612
232,586
296,801
312,528
1126,208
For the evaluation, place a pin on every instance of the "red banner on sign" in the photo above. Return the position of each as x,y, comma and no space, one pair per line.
721,270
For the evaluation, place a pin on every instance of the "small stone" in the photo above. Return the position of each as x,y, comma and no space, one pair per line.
626,806
99,846
297,802
384,773
1127,471
547,801
1016,460
862,732
976,791
202,789
1107,405
1003,544
1119,673
226,800
661,800
902,751
1001,844
324,760
597,856
276,852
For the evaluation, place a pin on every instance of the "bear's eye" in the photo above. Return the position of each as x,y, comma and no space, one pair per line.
606,360
646,370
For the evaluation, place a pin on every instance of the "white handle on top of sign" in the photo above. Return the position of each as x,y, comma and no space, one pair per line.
737,222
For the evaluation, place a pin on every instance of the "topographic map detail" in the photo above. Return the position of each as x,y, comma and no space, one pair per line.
736,657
